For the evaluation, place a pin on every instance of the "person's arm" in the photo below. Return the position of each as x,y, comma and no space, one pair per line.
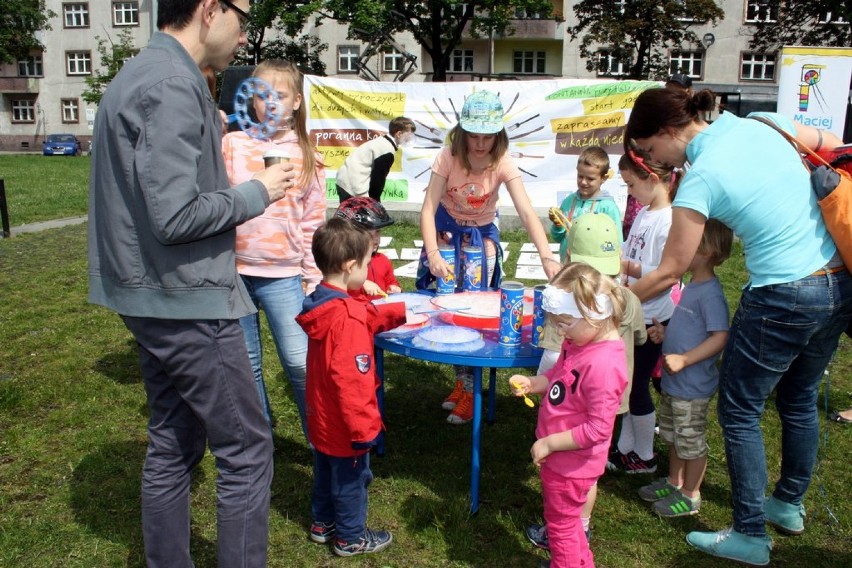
816,138
710,347
684,238
378,175
532,224
434,191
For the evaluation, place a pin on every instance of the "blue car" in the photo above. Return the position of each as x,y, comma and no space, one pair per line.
61,145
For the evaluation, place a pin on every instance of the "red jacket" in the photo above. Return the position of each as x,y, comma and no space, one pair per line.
342,409
380,271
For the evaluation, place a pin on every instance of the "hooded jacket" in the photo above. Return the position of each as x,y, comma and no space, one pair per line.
342,408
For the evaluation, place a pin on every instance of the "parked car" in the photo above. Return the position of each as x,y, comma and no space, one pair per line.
61,145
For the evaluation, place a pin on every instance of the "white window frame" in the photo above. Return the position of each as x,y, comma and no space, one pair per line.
758,64
461,61
529,61
125,14
70,111
392,60
760,12
347,58
78,62
828,18
614,67
23,110
689,62
31,67
76,14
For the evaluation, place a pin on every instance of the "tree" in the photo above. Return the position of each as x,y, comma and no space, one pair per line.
19,22
113,55
437,25
638,32
823,23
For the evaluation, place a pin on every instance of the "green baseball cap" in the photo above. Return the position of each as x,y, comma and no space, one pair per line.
594,239
482,113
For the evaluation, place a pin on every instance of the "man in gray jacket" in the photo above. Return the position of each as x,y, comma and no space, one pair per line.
161,254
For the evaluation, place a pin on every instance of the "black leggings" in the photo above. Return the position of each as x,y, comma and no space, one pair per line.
645,358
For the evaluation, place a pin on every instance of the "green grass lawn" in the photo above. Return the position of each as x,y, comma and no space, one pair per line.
41,188
72,442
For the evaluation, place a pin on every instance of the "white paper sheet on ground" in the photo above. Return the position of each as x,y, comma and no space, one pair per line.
529,258
390,253
385,241
530,272
529,247
418,243
409,254
407,270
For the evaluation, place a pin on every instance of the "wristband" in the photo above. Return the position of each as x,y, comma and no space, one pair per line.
819,142
428,252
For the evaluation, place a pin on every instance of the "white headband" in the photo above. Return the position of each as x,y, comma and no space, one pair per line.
561,303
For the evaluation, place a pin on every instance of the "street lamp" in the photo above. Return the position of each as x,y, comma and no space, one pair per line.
708,40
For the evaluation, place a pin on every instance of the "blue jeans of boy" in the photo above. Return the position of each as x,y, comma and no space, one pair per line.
340,493
782,338
281,300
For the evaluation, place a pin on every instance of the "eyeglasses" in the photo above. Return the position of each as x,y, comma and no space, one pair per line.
639,161
243,15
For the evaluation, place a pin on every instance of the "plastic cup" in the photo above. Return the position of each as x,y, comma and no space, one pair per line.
271,157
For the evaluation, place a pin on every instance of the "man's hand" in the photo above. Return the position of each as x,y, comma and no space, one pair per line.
277,179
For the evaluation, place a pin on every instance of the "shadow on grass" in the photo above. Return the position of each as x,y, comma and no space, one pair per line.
121,366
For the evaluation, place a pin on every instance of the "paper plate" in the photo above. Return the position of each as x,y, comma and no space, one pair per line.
482,308
449,339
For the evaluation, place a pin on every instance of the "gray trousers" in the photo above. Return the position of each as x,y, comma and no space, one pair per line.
201,391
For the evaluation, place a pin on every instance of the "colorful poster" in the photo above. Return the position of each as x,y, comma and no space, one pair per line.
549,123
813,87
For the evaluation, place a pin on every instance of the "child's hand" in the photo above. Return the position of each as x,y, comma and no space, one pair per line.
540,450
656,331
438,266
557,217
373,289
674,363
520,385
394,289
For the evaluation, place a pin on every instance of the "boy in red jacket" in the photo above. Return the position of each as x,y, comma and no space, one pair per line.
342,409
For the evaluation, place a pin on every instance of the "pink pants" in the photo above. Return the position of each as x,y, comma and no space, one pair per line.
563,503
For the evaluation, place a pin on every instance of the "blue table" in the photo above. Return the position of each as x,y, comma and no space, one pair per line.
491,355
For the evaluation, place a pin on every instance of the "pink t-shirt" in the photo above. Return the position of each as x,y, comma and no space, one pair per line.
471,199
584,392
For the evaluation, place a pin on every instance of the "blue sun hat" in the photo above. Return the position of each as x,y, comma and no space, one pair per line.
482,113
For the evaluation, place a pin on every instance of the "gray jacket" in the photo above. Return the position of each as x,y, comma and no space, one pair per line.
161,212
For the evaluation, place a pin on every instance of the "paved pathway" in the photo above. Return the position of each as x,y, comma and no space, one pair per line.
52,224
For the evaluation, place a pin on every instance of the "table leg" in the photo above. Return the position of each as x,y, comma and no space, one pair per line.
492,395
476,428
380,396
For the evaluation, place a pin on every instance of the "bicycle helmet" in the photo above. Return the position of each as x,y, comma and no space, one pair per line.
364,211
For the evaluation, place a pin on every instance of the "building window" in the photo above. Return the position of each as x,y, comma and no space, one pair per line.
78,62
528,61
688,62
70,110
23,110
347,59
757,67
461,60
76,15
125,13
392,61
524,14
610,66
829,18
761,11
31,67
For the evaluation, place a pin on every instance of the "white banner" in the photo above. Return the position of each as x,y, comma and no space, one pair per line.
549,123
813,86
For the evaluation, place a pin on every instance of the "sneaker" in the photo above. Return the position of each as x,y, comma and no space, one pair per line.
322,532
537,534
463,412
728,543
657,490
676,504
785,517
372,541
451,401
632,463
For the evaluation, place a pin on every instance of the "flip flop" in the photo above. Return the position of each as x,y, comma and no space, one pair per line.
836,417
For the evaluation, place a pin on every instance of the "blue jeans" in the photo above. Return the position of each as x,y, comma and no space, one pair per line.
782,338
281,300
340,493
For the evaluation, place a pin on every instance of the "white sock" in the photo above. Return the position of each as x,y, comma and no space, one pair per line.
643,430
626,440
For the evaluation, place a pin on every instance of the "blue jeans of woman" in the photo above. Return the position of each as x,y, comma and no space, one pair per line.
782,338
281,300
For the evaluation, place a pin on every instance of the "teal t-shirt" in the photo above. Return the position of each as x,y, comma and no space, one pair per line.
746,175
573,206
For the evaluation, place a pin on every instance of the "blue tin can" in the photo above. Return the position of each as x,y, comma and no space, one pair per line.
538,314
472,268
511,312
447,285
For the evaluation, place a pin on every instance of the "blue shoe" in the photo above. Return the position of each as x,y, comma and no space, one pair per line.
537,534
371,542
322,532
728,543
785,517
